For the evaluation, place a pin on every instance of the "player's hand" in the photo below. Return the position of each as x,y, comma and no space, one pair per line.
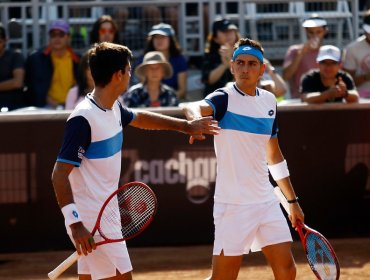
296,214
84,242
203,125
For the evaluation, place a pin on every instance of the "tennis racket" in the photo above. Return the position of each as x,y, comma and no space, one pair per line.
320,254
124,215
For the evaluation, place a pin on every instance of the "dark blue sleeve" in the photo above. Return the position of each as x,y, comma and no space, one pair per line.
77,139
126,115
275,129
218,100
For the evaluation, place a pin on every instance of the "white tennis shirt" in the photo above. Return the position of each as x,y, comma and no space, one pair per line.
247,124
92,143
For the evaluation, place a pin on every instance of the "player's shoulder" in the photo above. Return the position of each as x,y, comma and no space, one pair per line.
84,109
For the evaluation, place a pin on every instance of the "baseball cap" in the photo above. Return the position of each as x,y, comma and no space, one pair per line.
59,24
366,23
162,29
223,25
328,52
314,21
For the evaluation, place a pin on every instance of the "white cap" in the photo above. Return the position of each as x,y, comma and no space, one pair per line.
328,52
314,21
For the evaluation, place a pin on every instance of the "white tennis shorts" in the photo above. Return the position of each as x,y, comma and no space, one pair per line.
105,260
243,228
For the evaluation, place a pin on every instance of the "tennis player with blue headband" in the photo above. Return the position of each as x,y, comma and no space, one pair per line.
247,214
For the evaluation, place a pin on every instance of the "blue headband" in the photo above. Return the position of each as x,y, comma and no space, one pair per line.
248,50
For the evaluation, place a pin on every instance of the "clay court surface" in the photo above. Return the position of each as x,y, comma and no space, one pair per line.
191,262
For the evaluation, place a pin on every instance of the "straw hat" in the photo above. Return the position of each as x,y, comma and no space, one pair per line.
154,58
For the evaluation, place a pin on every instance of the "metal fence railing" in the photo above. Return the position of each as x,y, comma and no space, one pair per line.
275,23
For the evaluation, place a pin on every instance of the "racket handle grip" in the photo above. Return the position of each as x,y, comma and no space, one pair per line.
282,199
63,266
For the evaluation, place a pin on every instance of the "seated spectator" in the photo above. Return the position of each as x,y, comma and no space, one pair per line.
85,84
52,70
302,57
152,92
219,50
357,59
162,38
104,30
328,83
11,76
272,81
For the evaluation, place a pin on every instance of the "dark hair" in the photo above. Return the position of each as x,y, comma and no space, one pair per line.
94,34
249,42
81,76
175,49
105,59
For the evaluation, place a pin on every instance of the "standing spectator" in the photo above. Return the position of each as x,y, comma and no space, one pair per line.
85,84
216,61
104,30
301,58
357,59
152,92
162,38
52,71
328,83
11,75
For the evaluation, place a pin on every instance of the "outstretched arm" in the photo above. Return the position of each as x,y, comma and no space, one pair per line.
194,111
276,161
196,127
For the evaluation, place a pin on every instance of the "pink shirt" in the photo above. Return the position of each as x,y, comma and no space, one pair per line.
307,63
72,100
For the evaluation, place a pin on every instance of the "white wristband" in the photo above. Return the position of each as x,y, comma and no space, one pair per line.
71,214
279,170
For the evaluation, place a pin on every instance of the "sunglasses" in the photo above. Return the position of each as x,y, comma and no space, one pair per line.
103,31
57,34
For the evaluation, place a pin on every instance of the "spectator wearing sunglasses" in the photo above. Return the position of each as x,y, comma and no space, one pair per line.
52,70
104,30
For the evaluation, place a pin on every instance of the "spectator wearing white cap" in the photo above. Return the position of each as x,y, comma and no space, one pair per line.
357,59
328,83
162,38
302,57
152,92
52,70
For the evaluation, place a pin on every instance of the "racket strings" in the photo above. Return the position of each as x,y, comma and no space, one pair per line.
127,213
320,257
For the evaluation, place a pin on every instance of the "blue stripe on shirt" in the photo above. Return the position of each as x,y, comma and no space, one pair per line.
105,148
247,124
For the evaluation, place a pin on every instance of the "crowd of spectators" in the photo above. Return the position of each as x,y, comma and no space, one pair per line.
57,77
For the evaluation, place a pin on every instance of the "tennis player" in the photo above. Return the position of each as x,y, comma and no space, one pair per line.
247,215
88,166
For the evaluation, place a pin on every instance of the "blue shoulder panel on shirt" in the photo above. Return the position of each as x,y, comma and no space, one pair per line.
247,124
105,148
127,115
218,100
